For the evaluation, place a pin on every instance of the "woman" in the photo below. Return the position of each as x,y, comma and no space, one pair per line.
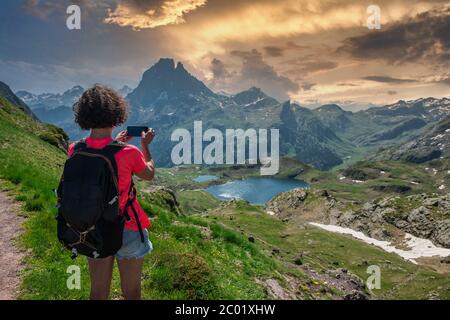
100,110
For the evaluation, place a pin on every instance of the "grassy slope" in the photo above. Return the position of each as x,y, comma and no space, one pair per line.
34,166
186,263
324,250
419,177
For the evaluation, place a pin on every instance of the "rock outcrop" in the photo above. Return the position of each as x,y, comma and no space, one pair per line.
424,216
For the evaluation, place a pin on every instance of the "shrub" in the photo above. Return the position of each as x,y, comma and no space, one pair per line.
184,272
49,138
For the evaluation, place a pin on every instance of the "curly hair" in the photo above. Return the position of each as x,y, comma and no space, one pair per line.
100,107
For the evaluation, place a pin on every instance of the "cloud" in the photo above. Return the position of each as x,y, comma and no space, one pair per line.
307,86
42,9
256,72
296,42
142,14
423,37
273,51
314,66
253,71
279,50
445,81
387,79
309,64
218,69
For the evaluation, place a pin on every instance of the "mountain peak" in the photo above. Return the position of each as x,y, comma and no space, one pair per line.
330,108
249,96
255,89
180,67
164,63
125,90
74,90
169,80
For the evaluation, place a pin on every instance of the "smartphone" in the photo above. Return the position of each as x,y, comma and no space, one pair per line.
135,131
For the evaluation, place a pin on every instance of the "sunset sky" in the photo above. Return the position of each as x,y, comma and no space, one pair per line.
310,51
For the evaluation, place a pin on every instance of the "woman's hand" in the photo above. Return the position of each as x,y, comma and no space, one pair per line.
147,137
122,136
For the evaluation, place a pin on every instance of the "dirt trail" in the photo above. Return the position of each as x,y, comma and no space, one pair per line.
10,256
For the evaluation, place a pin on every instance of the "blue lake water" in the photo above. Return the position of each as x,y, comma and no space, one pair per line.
205,178
254,190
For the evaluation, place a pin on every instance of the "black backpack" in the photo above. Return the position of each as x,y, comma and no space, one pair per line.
89,219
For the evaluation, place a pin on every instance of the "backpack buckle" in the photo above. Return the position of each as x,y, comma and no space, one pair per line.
113,200
74,253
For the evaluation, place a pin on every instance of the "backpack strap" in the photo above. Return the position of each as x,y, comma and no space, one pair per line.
110,151
129,204
79,145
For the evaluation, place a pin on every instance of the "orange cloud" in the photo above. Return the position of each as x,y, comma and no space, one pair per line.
146,15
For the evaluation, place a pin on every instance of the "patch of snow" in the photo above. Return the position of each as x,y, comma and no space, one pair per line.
270,213
418,247
413,182
341,178
357,181
441,187
254,102
382,172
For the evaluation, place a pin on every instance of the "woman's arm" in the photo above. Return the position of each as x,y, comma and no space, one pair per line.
149,172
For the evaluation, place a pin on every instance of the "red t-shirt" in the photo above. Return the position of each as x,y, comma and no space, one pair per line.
130,160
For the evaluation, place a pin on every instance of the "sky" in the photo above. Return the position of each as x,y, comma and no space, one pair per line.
310,51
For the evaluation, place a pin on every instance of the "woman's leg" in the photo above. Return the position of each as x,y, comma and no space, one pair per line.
130,277
101,273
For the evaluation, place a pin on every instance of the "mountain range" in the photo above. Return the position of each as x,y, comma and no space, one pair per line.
169,97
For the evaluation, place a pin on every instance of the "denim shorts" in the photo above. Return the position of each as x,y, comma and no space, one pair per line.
133,247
